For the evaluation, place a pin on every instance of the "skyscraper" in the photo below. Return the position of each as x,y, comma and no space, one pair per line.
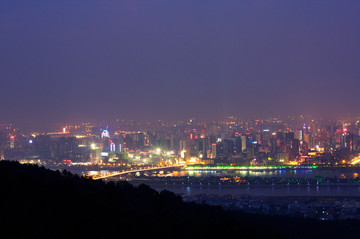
243,143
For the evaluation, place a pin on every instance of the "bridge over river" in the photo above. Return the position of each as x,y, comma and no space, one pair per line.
113,174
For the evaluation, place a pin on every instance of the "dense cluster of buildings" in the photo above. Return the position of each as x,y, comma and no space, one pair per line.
301,207
258,142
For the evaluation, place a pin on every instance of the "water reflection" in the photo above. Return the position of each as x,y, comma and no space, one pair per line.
313,191
188,190
270,189
301,173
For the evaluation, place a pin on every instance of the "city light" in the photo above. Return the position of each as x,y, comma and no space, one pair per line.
185,119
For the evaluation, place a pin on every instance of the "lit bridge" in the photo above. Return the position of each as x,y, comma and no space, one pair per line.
103,176
356,160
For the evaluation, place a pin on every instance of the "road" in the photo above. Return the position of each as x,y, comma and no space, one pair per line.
97,177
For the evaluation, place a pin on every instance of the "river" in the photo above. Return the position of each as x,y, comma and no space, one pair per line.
190,188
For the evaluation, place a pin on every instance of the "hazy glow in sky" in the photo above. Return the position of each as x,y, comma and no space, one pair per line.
81,60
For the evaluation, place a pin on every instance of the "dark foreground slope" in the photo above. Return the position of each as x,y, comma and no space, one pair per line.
39,203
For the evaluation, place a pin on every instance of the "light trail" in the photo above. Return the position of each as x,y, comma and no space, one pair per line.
355,160
97,177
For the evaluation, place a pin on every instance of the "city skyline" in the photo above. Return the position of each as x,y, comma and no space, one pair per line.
189,119
86,61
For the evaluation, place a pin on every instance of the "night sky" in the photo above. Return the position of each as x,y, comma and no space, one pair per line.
145,60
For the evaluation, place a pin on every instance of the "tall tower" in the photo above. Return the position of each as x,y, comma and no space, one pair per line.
105,134
243,143
105,137
12,141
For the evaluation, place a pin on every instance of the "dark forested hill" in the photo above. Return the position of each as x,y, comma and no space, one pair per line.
39,203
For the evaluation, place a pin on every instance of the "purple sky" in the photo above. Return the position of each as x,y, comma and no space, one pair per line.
91,60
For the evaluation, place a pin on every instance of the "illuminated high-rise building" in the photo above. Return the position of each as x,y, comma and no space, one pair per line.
213,150
266,137
299,134
307,140
12,141
182,145
243,143
105,134
289,137
280,136
273,145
